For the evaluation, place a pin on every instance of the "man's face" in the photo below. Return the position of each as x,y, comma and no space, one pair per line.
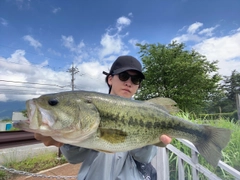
123,88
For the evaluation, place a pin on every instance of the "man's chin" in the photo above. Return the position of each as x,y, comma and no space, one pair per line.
126,94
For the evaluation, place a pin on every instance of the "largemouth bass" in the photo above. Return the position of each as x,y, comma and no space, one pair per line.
113,124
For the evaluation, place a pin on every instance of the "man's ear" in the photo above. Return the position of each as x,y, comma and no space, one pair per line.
110,77
139,86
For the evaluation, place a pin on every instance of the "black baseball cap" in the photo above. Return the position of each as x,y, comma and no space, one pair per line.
125,63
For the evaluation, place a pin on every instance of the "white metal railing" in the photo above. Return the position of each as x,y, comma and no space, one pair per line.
161,163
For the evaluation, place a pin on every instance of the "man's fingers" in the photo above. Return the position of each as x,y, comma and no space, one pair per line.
165,139
47,140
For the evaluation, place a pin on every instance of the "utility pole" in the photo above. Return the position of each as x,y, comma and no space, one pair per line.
73,70
238,105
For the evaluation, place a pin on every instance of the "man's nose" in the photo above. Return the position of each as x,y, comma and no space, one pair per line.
128,82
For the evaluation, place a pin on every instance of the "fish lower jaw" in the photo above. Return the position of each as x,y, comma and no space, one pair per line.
45,127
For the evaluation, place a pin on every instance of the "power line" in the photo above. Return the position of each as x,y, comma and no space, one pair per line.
24,93
29,87
25,82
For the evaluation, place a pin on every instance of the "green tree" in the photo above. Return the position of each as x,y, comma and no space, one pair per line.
216,102
184,76
231,87
226,101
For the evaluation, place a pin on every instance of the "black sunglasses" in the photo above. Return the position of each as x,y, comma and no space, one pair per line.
124,76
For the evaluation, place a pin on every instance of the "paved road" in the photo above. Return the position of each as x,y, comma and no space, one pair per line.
60,171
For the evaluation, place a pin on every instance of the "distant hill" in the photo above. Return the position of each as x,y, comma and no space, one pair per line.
6,108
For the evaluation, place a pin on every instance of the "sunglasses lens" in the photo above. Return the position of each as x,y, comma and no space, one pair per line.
136,80
124,76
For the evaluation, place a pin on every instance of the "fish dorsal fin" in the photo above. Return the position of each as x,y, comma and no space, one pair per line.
165,104
113,136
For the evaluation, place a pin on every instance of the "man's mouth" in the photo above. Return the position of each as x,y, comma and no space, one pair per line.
126,90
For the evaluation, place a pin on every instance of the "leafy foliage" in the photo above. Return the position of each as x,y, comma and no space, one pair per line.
184,76
226,100
24,112
6,120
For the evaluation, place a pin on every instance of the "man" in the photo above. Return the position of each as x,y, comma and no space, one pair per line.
123,80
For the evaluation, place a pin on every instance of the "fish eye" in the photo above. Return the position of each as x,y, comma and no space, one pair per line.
52,102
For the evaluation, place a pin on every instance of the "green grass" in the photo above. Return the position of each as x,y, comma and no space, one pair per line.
32,165
231,153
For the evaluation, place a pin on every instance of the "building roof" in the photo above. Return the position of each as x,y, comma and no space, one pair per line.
18,116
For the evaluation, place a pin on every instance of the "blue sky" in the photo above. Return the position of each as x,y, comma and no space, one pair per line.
40,39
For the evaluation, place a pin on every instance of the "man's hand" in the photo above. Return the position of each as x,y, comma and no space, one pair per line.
47,140
165,139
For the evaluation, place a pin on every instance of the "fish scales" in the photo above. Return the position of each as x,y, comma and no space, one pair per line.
109,123
145,120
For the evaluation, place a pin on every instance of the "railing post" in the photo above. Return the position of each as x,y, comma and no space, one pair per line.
238,106
194,157
181,174
161,164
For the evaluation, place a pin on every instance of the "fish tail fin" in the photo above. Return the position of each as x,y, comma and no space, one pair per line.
211,146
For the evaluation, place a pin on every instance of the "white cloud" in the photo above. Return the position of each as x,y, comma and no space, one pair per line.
69,43
194,27
133,42
187,37
56,10
208,31
130,14
112,42
182,29
3,22
54,52
3,97
192,35
34,43
122,22
16,70
225,49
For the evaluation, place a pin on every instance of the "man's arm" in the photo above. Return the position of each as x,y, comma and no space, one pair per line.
73,154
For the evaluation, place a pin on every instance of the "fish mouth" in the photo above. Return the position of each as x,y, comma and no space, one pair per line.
22,124
31,108
38,117
32,115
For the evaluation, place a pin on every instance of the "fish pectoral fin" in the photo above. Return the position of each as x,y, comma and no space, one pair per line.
113,136
160,144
